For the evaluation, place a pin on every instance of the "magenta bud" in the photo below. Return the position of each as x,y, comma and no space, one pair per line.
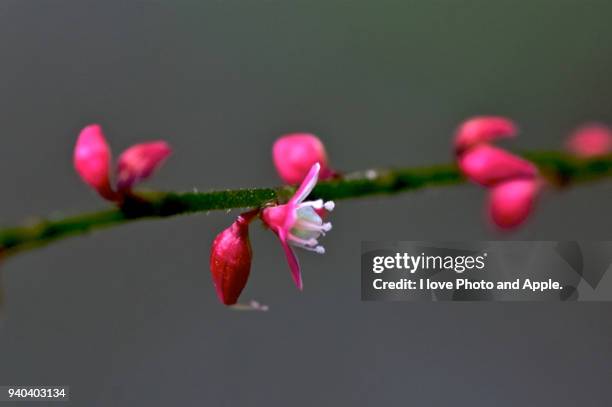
483,129
295,154
138,163
511,202
92,160
488,165
592,140
230,259
513,182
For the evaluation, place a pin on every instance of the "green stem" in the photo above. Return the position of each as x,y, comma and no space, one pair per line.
559,168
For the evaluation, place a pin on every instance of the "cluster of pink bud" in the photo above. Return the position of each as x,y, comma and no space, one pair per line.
297,157
513,182
300,158
92,161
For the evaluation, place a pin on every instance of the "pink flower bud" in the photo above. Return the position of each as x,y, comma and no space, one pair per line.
511,202
230,259
92,160
591,140
483,129
488,165
138,163
295,154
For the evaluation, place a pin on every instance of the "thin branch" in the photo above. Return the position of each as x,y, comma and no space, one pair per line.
559,168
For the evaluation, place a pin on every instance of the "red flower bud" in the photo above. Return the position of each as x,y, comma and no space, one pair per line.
511,202
488,165
92,160
483,129
139,162
230,259
295,154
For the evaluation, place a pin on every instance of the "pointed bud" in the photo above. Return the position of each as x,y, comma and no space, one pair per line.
591,140
511,202
295,154
230,259
92,158
483,129
138,163
487,165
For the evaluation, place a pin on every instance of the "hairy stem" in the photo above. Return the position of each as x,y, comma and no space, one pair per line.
559,168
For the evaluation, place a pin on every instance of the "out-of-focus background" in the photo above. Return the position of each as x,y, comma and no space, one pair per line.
129,317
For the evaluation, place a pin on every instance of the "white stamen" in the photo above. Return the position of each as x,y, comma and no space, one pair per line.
302,242
329,206
326,226
317,249
301,246
318,204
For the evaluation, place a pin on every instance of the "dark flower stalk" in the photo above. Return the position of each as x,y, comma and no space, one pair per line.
560,168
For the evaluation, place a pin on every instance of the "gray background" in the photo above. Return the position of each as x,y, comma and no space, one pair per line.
129,317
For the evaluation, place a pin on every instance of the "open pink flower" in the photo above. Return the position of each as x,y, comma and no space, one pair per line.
591,140
513,182
298,223
92,161
295,154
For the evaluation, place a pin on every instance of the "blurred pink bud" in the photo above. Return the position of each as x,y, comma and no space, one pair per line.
483,129
92,160
488,165
591,140
230,259
138,163
511,202
295,154
513,181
